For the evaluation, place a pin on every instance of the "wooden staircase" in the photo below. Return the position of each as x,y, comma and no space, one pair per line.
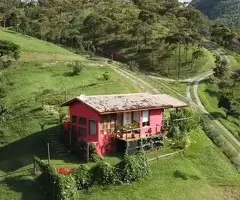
56,145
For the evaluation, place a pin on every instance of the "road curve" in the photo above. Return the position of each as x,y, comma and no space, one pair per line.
195,82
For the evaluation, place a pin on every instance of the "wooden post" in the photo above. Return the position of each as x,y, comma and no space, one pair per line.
70,138
34,166
87,151
48,148
65,94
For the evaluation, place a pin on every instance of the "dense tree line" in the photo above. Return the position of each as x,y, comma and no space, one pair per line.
226,11
229,87
160,35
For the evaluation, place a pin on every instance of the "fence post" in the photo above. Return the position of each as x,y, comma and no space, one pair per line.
88,151
48,148
34,166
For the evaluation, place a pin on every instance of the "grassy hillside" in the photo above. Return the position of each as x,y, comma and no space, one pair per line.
226,11
33,91
35,49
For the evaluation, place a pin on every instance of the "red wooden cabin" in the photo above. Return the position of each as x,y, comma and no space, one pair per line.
102,119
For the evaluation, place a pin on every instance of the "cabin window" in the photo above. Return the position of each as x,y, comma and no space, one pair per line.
74,119
92,127
82,121
82,131
145,118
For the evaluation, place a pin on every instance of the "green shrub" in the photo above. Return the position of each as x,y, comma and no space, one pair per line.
2,92
77,68
180,144
132,168
106,76
82,177
81,150
55,186
66,187
103,174
93,155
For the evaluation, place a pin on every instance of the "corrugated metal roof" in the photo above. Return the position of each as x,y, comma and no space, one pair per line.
124,102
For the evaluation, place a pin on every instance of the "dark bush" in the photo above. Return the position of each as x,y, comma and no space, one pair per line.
132,168
81,150
77,68
103,174
106,76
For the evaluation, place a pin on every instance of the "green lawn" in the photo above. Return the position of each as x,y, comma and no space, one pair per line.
192,175
208,91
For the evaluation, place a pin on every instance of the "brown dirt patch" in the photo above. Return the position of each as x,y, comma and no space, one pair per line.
229,192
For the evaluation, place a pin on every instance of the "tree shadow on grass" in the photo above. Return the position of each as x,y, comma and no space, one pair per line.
185,176
216,115
212,93
25,185
20,153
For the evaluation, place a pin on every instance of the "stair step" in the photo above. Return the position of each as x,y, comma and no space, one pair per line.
61,148
60,152
63,154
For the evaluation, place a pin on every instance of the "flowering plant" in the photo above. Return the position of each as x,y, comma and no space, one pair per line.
65,171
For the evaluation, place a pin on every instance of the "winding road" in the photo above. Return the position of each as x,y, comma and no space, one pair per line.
194,81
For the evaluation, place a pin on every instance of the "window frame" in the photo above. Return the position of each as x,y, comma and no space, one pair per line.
74,121
82,124
146,124
89,125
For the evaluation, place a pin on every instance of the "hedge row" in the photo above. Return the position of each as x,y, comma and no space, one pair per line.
129,169
56,187
226,147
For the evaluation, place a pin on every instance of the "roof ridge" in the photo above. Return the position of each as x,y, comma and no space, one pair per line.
127,94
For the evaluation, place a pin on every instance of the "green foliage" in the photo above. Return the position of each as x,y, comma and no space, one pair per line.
228,84
106,76
183,121
103,174
2,92
82,177
132,168
226,147
134,31
81,150
66,188
221,70
224,11
8,51
55,186
77,68
133,66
